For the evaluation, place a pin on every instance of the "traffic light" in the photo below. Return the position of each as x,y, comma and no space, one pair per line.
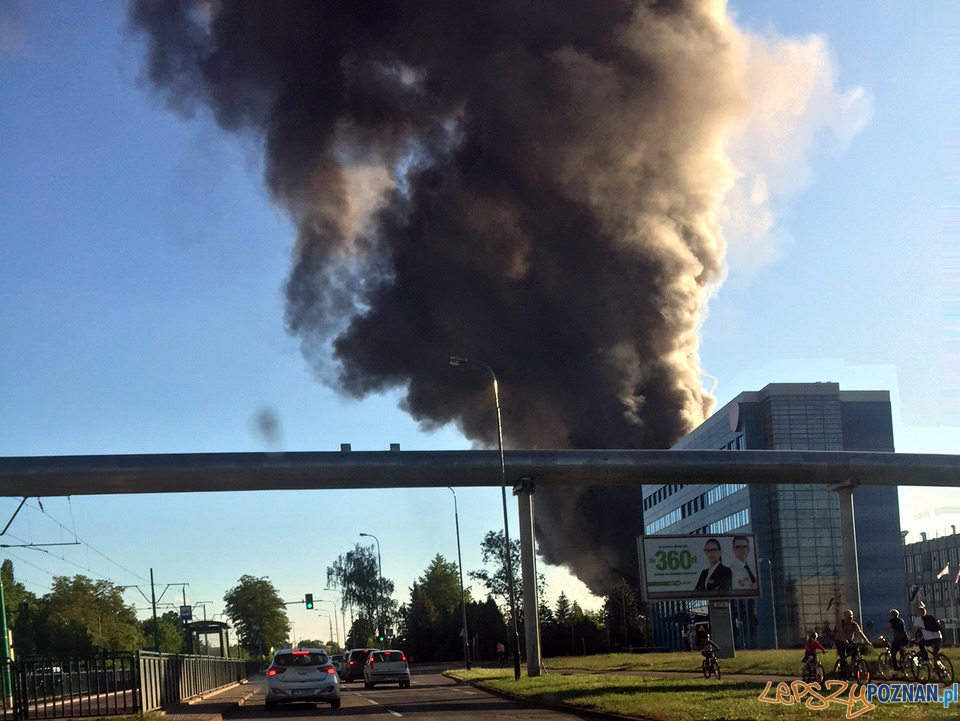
380,636
309,601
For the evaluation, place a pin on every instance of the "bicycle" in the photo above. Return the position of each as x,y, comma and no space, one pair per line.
710,666
913,663
887,667
853,667
812,670
935,664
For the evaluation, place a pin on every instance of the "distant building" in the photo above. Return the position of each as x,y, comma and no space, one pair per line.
797,527
932,567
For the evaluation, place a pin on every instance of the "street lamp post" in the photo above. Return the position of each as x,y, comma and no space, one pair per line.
329,623
380,587
336,627
463,598
458,361
773,603
343,619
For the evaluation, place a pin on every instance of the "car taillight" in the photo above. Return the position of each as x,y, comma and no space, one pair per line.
403,658
275,671
328,669
300,653
349,663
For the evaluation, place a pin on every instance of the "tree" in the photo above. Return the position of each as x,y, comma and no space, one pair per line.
81,615
311,643
21,606
622,616
420,625
170,633
562,610
431,623
441,583
495,580
258,615
356,574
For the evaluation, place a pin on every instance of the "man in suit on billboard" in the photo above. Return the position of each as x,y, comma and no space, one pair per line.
715,577
744,576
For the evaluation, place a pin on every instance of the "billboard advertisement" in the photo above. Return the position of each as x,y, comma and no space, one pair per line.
674,568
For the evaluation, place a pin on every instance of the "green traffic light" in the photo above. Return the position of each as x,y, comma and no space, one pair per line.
309,600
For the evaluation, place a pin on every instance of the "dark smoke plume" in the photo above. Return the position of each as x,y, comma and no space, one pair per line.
532,183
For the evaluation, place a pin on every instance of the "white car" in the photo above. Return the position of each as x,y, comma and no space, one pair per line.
302,675
386,667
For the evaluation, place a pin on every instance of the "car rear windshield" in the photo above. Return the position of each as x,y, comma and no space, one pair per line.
381,656
300,659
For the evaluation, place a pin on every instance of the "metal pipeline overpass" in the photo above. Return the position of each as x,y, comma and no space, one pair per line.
842,471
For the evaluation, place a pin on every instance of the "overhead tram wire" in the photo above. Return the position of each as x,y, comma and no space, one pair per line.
83,542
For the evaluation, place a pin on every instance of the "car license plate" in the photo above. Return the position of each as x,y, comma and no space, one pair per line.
304,692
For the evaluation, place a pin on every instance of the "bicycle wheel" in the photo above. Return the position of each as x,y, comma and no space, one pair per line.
705,667
885,666
806,672
819,673
861,672
921,670
716,668
943,667
908,664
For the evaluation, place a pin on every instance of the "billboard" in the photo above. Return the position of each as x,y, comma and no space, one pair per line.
676,568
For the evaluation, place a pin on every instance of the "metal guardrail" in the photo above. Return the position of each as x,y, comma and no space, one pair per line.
167,679
111,684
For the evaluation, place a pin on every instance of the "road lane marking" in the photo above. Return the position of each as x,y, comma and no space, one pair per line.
376,703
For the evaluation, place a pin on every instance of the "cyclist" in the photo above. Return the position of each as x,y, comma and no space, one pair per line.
811,647
707,648
927,632
898,639
844,634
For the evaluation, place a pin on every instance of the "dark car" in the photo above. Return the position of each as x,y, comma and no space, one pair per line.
352,667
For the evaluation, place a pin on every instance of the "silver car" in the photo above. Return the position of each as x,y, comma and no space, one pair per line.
302,675
386,667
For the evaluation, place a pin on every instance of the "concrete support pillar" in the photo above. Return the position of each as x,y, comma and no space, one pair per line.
848,539
523,490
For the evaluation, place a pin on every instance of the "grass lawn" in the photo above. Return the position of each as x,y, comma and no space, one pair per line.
687,698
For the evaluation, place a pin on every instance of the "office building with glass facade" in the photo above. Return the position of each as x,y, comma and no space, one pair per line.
796,527
932,569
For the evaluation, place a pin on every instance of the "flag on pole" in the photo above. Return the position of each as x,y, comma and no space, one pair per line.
944,572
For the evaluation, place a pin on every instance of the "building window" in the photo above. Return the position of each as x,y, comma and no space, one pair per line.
723,490
662,522
730,523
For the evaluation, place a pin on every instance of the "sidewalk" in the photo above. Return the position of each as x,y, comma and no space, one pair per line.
216,705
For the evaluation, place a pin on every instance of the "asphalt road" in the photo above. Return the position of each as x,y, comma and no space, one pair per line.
431,697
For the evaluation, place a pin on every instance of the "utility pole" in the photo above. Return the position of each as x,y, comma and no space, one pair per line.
7,681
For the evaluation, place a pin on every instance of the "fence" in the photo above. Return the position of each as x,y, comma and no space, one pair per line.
110,684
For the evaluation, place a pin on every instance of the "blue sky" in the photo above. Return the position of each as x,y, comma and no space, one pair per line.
141,308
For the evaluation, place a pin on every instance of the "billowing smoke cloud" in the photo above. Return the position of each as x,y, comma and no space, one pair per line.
532,183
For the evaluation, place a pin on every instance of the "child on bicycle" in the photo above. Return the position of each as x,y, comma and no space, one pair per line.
708,647
811,647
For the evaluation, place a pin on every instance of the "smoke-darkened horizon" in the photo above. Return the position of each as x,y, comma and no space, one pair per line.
533,184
